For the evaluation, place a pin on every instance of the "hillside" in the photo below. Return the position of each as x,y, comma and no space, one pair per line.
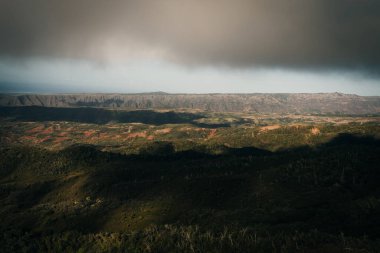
298,200
90,179
321,103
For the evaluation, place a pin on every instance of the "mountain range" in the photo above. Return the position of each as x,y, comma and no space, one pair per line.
302,103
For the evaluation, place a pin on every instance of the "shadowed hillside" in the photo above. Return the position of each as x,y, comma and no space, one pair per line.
324,198
95,115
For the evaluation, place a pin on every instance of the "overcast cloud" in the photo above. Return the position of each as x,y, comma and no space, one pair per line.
312,34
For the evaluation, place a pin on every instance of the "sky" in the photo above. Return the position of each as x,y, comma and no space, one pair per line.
190,46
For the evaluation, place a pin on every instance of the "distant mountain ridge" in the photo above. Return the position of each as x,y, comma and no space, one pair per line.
324,103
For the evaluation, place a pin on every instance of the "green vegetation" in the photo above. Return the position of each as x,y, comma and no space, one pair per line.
127,187
186,239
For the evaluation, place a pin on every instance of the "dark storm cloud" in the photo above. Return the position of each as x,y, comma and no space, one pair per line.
238,33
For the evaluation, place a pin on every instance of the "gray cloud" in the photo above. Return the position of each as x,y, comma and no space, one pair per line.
318,34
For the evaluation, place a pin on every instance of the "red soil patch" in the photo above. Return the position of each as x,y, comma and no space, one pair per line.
62,134
269,128
186,129
315,131
35,129
211,134
48,130
103,136
89,133
43,139
60,139
163,131
138,134
150,137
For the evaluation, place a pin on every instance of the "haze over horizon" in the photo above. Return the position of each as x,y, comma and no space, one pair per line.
190,46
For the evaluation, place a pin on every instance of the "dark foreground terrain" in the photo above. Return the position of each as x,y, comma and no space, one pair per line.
187,182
